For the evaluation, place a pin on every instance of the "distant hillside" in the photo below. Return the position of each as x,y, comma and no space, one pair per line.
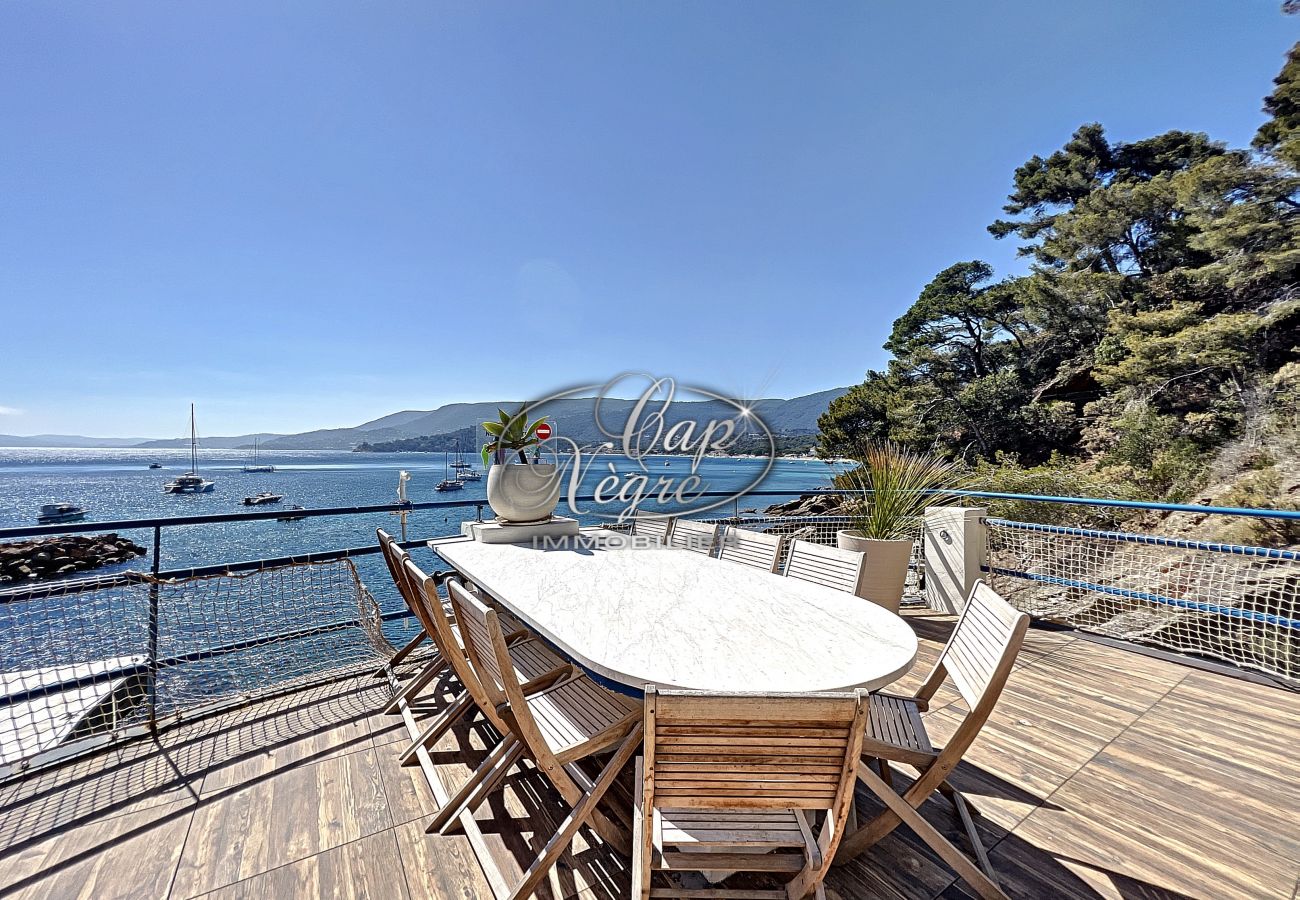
215,442
442,428
572,418
64,440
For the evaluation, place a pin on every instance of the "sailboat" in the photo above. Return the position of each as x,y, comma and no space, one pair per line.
255,466
191,482
465,471
448,483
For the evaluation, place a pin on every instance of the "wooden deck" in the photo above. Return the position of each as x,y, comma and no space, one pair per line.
1103,773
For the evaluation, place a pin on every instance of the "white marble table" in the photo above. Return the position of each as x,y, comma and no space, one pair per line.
633,616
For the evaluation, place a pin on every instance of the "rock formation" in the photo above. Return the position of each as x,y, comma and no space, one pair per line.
57,556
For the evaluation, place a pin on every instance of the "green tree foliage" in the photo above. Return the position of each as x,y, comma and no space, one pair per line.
1281,133
1162,295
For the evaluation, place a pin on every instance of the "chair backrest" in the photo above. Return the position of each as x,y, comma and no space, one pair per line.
751,548
480,630
458,654
390,552
396,559
697,537
983,646
752,751
828,566
650,525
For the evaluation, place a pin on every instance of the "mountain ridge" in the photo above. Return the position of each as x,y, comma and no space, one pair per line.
796,415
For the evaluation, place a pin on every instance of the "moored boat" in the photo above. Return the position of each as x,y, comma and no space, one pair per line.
191,482
263,498
449,483
53,513
256,465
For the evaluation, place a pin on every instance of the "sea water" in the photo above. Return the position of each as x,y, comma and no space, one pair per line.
116,484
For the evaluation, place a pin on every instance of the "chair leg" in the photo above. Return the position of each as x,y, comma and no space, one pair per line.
415,685
642,845
981,855
900,807
437,728
578,816
505,753
885,772
382,671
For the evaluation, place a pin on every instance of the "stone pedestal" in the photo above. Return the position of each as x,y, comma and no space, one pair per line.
506,533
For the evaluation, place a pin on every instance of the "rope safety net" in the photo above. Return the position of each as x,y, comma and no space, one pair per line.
1234,603
80,658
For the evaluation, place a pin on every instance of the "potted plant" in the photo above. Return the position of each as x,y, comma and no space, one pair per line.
896,486
519,492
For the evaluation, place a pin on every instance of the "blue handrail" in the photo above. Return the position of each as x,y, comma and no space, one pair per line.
171,521
1150,539
1220,609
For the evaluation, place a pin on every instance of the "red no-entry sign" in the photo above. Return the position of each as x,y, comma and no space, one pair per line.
544,431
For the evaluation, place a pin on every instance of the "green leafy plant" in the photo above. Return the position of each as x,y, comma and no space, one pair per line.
897,485
510,432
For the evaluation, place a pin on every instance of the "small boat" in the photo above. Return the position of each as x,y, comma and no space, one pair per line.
256,466
53,513
469,475
155,465
290,517
191,482
263,498
448,483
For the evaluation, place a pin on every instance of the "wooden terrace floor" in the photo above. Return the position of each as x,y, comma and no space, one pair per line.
1103,773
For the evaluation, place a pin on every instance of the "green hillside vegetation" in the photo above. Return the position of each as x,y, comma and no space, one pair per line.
1159,324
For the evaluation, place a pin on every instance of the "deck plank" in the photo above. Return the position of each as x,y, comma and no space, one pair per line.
1103,773
369,868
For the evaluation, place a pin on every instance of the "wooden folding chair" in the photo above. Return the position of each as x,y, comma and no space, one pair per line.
727,782
697,537
751,548
556,727
394,557
385,543
829,566
978,658
533,662
655,527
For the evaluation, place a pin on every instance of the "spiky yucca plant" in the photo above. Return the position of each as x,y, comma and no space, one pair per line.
510,432
897,485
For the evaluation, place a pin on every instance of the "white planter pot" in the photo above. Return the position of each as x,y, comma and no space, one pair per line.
523,493
884,573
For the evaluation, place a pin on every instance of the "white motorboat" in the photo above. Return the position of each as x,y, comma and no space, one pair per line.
263,498
53,513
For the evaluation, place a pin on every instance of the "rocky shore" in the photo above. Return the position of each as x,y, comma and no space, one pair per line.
52,557
816,505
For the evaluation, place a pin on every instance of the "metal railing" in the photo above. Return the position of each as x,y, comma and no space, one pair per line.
183,638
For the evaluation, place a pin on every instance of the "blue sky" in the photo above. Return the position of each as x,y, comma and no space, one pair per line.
306,214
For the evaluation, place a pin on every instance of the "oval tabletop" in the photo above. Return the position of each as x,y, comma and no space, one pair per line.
634,616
